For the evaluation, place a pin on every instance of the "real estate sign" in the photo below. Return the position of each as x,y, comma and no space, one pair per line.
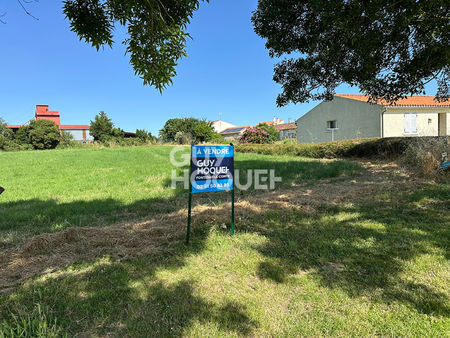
212,168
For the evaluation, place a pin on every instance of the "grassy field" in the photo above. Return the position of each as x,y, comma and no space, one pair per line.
372,260
49,191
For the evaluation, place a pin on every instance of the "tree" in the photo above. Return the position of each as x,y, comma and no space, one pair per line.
145,136
184,126
6,136
43,134
203,132
22,135
156,31
388,48
102,128
4,131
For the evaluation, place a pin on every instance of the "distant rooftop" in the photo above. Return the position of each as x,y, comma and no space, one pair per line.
409,101
285,126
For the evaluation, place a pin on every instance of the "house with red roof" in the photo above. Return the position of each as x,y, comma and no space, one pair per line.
287,130
79,132
353,116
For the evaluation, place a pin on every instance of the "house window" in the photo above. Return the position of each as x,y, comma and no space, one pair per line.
410,123
332,124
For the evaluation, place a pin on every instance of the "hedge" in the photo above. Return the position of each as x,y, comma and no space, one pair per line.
367,148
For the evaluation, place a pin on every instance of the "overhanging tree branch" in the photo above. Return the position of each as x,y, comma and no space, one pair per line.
25,9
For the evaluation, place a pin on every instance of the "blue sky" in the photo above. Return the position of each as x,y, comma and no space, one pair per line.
228,71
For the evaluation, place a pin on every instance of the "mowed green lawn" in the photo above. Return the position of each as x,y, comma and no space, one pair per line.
379,267
48,191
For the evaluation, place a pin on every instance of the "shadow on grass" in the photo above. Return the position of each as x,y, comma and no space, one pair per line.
34,216
362,249
128,299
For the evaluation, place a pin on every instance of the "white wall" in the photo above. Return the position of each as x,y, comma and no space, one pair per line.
220,126
427,121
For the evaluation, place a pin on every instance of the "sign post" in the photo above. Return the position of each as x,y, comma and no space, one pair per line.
212,169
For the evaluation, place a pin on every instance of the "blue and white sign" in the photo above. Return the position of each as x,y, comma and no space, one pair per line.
212,168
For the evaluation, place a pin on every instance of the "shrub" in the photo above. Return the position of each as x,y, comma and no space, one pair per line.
392,148
274,135
255,136
216,138
65,138
424,155
66,141
183,138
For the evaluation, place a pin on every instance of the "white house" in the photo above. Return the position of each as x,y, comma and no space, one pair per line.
220,125
352,116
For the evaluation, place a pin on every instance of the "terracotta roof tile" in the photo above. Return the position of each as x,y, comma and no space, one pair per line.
285,126
409,101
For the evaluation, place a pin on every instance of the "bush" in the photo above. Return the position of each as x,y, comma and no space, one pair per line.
10,145
392,148
183,138
274,135
216,138
66,141
424,155
43,134
287,141
65,137
255,136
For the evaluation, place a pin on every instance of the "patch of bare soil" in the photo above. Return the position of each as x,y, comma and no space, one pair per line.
48,252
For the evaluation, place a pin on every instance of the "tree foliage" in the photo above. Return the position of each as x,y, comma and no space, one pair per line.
388,48
102,128
203,132
43,134
156,31
145,136
182,129
6,135
4,131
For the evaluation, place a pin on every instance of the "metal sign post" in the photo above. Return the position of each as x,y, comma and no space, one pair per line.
211,169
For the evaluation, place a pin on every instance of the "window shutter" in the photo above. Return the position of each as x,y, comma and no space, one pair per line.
410,123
